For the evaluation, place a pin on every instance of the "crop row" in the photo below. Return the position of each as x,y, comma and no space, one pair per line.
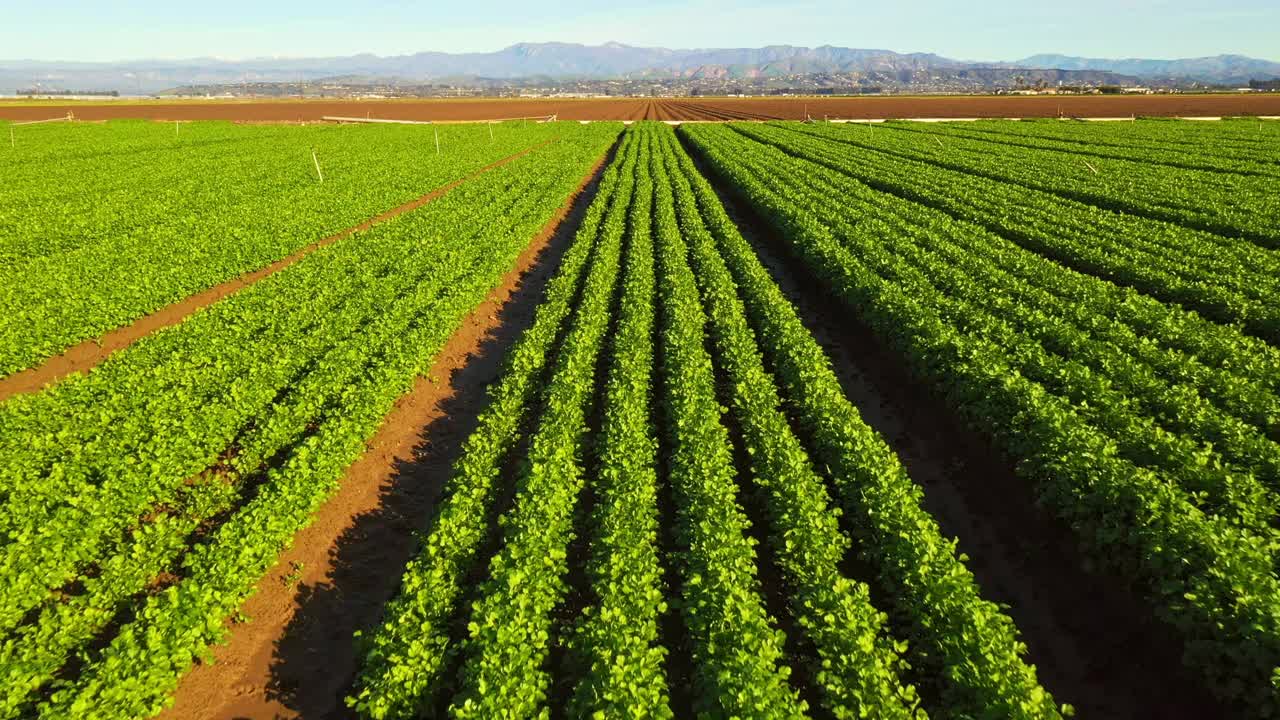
1142,145
741,669
1229,204
860,665
617,639
510,626
967,642
1156,421
676,485
1242,141
1234,406
179,221
1231,281
197,404
1204,554
521,583
405,656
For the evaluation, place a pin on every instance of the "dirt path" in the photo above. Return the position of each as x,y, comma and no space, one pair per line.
1090,637
90,353
295,657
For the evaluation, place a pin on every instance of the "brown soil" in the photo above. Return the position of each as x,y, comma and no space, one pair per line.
1020,106
719,111
90,353
295,657
1091,638
790,108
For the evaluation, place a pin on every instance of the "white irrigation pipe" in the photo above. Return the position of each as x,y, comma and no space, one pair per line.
316,160
342,119
334,118
867,121
37,122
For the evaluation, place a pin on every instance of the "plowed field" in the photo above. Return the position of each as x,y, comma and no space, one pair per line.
666,109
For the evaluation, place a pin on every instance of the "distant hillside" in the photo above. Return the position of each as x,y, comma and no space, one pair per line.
1229,69
611,60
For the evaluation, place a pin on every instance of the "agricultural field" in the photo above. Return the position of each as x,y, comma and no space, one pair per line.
707,108
751,418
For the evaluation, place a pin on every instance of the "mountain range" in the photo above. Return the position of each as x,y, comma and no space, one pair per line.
1223,69
610,60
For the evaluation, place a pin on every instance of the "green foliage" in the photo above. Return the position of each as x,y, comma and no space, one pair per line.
1224,277
617,638
1205,574
967,640
102,224
615,653
268,401
1165,144
1222,201
1219,451
740,665
859,662
510,626
404,656
161,487
32,656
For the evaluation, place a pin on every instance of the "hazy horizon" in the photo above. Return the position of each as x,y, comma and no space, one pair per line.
252,58
236,30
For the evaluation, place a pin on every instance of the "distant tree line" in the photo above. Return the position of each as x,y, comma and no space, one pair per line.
40,91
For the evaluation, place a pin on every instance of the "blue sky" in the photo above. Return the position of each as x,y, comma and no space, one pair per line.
978,29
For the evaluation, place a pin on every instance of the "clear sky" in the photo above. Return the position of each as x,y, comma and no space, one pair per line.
974,30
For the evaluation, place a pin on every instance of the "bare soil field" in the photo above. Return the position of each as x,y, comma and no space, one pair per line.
789,108
991,106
